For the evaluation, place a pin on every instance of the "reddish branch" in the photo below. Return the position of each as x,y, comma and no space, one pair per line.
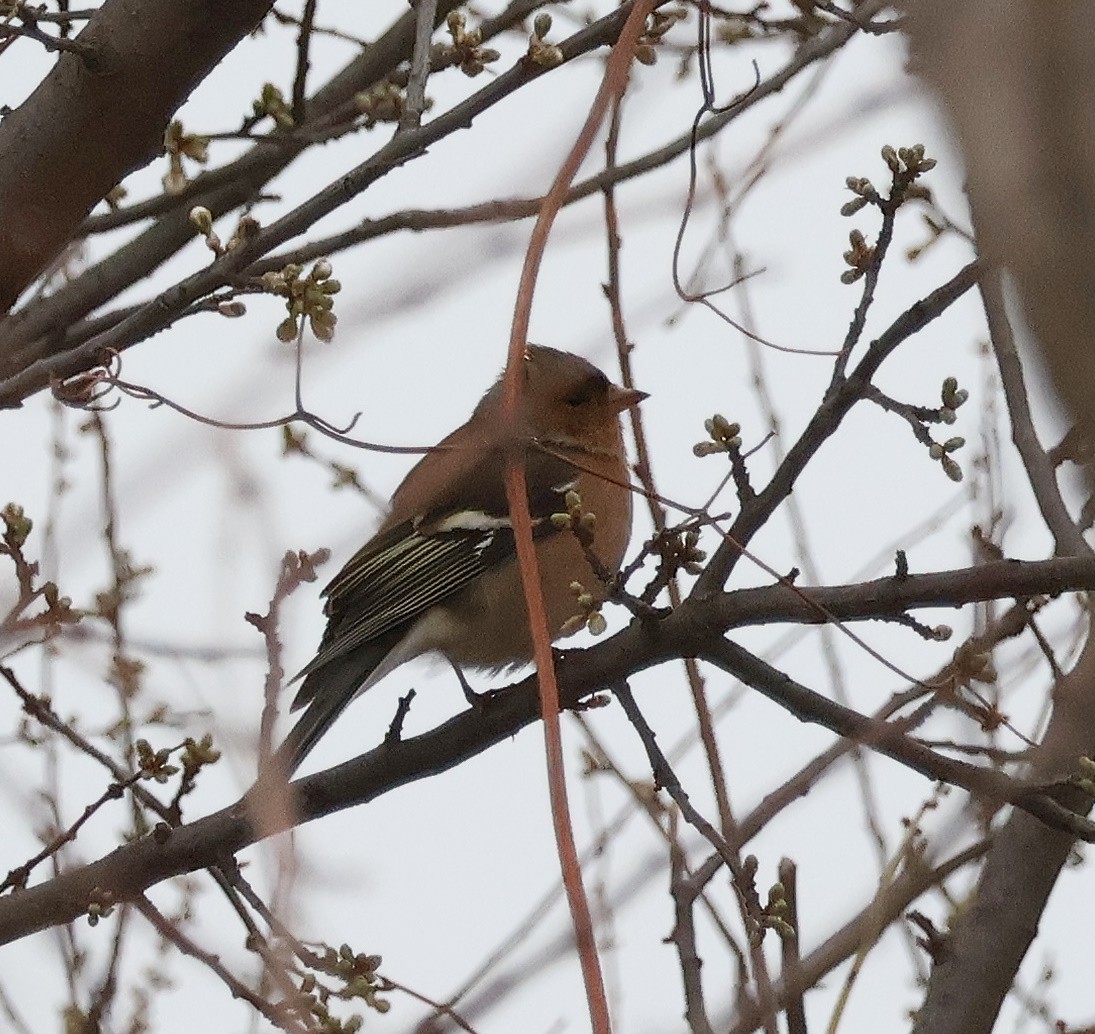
612,88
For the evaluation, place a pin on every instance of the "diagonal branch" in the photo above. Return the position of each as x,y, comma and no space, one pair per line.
31,334
827,420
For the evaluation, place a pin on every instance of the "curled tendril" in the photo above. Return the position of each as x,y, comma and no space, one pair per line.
88,388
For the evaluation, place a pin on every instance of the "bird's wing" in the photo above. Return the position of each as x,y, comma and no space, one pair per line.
424,560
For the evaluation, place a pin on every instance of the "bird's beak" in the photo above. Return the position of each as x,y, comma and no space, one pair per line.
620,399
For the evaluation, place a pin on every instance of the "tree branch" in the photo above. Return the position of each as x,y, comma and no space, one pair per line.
160,50
696,629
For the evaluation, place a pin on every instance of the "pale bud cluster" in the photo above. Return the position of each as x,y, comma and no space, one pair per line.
177,145
310,297
724,437
465,51
589,615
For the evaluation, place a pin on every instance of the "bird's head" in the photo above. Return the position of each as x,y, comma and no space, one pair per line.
568,402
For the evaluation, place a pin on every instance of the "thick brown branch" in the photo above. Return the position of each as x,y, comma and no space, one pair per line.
36,330
158,50
889,597
695,629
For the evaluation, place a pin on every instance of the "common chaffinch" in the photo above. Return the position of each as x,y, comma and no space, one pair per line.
441,572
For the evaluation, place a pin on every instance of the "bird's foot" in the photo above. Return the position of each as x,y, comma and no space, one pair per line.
478,701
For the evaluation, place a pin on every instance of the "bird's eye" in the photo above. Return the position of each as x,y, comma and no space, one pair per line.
591,388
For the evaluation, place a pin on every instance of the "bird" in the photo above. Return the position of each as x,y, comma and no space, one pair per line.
440,574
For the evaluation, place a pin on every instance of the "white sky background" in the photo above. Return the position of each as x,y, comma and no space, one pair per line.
434,876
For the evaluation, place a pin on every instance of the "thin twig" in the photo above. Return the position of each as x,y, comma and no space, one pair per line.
300,80
425,15
684,937
171,932
793,1006
667,778
18,877
824,423
51,43
1067,539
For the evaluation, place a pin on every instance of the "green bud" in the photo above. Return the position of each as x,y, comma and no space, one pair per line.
202,219
17,525
951,469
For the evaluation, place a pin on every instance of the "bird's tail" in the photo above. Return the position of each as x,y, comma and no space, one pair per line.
324,694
